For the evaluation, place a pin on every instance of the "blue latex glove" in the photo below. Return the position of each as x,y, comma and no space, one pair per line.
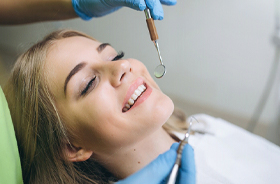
87,9
157,172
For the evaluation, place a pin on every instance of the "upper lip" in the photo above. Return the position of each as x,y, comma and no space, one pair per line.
139,81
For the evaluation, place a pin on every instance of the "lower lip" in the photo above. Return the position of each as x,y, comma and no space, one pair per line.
143,97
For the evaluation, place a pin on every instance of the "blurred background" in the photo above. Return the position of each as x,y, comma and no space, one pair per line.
218,54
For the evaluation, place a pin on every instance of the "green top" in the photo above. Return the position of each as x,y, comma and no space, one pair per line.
10,169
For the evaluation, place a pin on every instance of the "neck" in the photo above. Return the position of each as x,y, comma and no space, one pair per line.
128,161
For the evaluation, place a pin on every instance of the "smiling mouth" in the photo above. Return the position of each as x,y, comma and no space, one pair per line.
134,97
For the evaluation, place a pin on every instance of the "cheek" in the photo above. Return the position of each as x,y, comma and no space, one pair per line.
99,124
95,131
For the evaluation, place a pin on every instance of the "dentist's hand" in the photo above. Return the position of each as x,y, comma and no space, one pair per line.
157,172
87,9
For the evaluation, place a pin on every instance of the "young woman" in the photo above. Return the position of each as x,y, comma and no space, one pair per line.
82,113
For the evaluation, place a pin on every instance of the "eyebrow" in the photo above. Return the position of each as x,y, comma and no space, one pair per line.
76,69
102,46
81,65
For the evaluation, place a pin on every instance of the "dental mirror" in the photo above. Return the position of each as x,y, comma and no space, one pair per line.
159,71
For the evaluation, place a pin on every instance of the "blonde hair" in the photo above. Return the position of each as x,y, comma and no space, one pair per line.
41,134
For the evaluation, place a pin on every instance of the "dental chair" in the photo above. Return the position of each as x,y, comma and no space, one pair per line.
10,168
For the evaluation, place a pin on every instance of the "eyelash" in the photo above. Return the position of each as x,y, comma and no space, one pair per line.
119,56
88,86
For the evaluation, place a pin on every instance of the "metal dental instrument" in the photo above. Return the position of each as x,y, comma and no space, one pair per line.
175,169
160,69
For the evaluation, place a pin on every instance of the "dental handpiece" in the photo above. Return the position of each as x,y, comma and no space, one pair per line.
175,169
160,69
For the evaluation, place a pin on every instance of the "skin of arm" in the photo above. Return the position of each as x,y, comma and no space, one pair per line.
29,11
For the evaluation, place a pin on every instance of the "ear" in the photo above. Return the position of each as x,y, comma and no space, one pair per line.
77,154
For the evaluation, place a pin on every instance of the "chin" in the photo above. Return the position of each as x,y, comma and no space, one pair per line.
164,110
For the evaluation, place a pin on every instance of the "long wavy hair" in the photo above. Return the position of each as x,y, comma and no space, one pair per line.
40,131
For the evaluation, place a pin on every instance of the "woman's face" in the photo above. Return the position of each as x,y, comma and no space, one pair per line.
92,85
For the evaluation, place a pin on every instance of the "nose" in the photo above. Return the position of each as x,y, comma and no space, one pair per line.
118,70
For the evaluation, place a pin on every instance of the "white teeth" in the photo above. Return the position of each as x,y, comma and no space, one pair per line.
130,101
137,92
141,88
125,109
134,96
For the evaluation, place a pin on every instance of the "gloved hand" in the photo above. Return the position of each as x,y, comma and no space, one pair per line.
157,172
87,9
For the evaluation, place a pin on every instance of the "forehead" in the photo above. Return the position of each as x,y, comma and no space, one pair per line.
67,46
64,55
71,49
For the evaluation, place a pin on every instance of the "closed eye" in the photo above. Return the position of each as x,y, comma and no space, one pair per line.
119,56
89,85
91,82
